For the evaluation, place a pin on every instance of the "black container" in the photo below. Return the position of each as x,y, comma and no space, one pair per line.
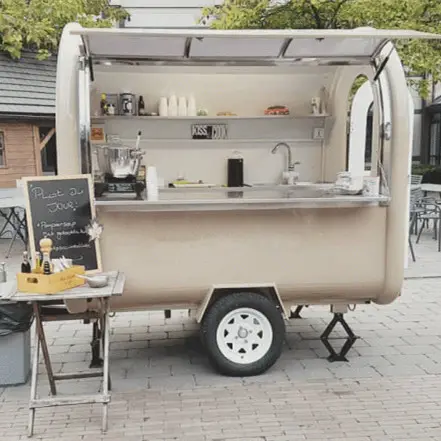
235,172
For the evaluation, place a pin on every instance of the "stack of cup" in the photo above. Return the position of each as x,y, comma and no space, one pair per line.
152,183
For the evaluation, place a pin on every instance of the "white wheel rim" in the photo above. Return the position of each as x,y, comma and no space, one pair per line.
244,336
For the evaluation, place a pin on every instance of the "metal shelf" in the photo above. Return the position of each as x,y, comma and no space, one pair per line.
220,141
203,118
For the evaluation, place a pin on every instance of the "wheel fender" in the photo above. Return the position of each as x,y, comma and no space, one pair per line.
216,291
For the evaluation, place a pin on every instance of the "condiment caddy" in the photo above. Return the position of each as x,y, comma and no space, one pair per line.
48,276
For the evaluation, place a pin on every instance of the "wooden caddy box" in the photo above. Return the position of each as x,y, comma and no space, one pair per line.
50,284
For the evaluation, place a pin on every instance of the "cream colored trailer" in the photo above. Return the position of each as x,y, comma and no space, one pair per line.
243,263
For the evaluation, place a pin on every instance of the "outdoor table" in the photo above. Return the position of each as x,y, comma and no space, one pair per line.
12,210
433,188
102,295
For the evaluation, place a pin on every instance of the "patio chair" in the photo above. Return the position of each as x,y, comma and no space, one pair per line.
432,213
416,207
416,179
412,251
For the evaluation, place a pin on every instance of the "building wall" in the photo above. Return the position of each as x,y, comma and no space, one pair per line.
22,152
164,13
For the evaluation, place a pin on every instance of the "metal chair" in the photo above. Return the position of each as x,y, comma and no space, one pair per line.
416,196
419,209
416,207
432,213
416,179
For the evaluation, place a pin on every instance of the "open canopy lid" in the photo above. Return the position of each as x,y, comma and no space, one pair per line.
215,45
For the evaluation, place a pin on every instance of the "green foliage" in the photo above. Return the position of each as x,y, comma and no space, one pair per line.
421,57
422,169
37,24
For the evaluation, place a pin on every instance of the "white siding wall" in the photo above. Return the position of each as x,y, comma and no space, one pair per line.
164,13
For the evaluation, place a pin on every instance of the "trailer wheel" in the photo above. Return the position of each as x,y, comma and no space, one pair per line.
243,334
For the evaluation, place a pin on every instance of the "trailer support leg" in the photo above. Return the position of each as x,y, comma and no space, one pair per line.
350,339
97,361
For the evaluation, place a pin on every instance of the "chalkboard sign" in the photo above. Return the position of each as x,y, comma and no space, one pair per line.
60,208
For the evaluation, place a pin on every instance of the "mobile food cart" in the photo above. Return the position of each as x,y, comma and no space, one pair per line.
250,211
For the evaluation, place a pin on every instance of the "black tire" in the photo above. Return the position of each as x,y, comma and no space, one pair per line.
219,310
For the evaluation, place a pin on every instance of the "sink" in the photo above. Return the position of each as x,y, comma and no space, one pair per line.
259,191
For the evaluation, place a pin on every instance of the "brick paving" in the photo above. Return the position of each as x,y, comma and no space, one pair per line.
164,389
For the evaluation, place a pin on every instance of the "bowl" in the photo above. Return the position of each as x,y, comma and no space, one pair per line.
98,281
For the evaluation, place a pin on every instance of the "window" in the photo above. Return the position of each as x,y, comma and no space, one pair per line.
49,151
369,133
2,150
434,146
435,141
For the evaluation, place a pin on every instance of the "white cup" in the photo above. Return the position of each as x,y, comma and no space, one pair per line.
163,106
371,186
357,183
182,106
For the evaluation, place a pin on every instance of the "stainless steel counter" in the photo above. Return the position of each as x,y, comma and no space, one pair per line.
244,198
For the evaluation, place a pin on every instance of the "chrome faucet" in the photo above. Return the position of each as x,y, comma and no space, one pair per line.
291,164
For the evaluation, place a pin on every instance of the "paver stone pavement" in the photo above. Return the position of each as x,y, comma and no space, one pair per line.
164,388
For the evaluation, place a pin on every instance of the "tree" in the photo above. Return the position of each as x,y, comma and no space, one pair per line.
37,24
421,57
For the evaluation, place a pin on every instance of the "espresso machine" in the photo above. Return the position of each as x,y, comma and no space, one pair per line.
118,170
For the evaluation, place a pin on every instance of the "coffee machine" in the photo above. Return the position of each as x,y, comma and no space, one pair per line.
118,169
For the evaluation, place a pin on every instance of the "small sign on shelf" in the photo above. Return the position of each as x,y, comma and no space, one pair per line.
209,131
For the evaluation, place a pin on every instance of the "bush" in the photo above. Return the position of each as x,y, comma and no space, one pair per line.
431,173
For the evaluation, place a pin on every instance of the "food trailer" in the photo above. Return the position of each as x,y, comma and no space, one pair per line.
248,209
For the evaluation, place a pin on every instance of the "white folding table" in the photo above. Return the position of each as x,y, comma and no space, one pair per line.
102,295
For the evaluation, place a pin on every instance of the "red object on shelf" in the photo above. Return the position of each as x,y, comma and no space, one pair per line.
277,110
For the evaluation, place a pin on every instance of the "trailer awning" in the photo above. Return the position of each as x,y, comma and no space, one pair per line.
215,45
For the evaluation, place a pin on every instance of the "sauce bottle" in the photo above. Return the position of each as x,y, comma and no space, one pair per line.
141,106
25,265
38,262
103,104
